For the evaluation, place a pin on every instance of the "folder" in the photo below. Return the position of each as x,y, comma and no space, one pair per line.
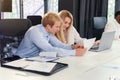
43,68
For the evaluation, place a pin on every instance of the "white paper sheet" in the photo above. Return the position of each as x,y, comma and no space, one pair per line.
41,66
18,63
48,54
88,43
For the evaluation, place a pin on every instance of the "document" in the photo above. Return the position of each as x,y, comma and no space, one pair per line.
88,43
41,66
48,54
18,63
45,56
42,59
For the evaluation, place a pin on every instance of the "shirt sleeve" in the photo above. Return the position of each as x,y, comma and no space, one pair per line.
51,44
55,42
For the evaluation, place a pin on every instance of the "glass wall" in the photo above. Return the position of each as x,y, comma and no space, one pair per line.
111,9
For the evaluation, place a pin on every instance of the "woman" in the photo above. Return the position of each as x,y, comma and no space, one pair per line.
68,33
114,25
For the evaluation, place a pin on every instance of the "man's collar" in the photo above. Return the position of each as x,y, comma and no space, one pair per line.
44,31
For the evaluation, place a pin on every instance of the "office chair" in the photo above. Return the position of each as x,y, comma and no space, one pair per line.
35,19
99,25
11,33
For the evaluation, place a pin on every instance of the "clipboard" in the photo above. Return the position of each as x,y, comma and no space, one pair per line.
56,67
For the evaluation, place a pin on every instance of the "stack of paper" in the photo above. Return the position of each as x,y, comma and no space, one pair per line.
42,59
45,56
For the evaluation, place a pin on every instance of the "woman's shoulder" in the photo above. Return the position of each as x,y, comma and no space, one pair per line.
111,22
74,29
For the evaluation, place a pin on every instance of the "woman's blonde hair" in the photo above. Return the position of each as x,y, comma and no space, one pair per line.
60,35
50,18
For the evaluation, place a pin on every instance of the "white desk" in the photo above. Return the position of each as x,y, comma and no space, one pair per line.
104,72
91,66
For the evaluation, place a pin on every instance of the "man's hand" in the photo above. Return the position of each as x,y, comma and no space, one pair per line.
81,51
75,46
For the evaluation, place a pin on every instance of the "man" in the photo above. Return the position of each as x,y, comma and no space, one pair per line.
42,38
114,25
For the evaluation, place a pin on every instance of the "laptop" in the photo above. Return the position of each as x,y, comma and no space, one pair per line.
105,42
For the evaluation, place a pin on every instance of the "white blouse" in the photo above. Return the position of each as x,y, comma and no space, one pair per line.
74,36
113,26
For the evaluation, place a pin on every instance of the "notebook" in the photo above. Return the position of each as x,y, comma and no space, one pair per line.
105,42
43,68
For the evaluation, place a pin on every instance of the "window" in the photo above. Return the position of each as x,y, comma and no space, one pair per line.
33,7
15,11
53,5
29,7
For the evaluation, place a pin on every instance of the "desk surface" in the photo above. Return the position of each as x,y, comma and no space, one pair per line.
91,66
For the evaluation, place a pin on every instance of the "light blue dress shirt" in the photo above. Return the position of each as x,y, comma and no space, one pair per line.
37,39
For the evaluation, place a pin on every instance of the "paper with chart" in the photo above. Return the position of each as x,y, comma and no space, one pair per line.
88,43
